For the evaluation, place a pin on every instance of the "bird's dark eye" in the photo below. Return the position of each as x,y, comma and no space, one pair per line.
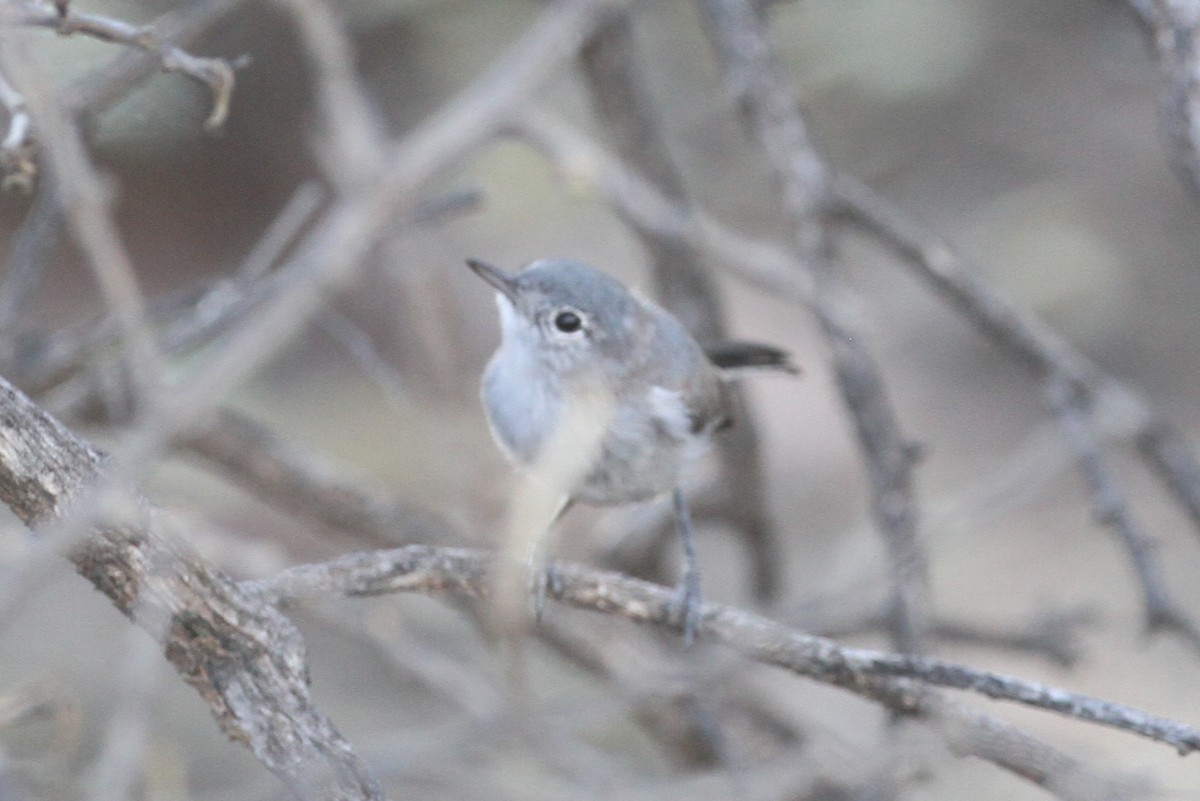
568,322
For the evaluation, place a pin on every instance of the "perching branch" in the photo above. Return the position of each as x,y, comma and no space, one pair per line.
873,674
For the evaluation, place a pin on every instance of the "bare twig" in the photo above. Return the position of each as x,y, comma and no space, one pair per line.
769,107
1112,511
185,318
683,285
362,350
428,569
215,73
243,658
101,88
193,316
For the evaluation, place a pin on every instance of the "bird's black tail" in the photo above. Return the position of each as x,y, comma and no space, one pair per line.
735,357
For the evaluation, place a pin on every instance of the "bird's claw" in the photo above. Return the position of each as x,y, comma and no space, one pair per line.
686,606
543,579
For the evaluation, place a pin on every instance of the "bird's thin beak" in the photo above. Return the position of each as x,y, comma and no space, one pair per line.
504,282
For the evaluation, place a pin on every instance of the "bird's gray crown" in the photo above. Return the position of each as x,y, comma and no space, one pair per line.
562,282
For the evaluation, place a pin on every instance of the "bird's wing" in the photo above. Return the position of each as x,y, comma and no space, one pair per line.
676,366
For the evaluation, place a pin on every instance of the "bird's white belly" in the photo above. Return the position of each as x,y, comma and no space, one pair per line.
648,446
647,443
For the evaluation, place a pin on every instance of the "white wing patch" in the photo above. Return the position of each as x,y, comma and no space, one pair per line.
668,408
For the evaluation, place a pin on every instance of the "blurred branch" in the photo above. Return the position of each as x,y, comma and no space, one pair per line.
1051,634
1175,28
296,481
215,73
193,316
244,658
872,674
354,147
1076,385
117,769
769,109
185,318
33,245
757,262
683,285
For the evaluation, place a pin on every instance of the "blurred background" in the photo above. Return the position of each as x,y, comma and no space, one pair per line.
1026,132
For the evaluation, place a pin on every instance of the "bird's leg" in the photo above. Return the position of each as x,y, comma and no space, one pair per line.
686,606
542,575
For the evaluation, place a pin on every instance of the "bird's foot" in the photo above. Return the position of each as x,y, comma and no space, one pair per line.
685,608
543,579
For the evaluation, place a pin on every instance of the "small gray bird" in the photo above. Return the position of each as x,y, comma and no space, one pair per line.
570,333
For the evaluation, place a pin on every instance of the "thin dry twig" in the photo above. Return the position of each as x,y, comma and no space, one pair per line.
768,104
100,89
215,73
